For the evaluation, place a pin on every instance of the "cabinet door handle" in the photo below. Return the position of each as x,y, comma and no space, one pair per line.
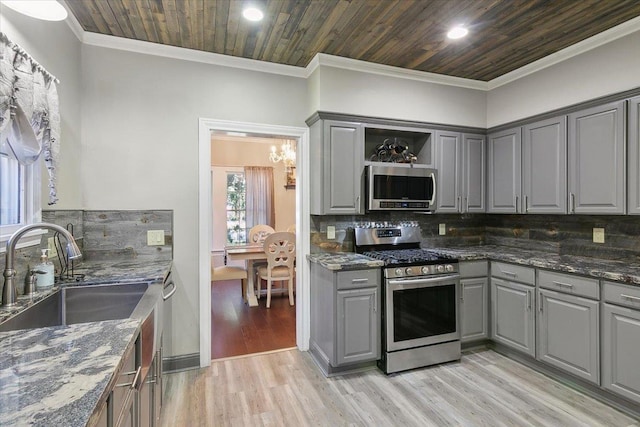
510,273
375,302
459,204
516,204
466,202
572,203
526,204
171,292
359,280
540,308
566,285
529,299
629,297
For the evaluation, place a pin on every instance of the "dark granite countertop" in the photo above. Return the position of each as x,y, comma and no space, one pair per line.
59,375
623,270
344,261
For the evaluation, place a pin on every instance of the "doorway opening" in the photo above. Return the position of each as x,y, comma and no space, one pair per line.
238,204
300,135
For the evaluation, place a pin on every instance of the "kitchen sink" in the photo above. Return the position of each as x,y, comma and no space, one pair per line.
79,305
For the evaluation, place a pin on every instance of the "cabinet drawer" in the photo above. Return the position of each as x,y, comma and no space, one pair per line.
617,293
474,269
514,272
569,284
358,278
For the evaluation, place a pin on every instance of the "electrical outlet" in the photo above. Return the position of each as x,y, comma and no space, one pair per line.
598,235
52,247
442,229
331,232
155,238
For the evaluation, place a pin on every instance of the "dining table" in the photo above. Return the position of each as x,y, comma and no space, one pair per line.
249,254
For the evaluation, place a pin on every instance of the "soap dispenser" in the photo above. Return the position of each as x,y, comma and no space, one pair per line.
46,275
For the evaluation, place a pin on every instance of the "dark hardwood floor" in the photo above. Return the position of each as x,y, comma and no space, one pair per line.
237,329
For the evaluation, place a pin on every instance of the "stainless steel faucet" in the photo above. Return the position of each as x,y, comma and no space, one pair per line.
9,294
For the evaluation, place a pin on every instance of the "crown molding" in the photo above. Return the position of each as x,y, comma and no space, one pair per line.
323,59
72,22
185,54
583,46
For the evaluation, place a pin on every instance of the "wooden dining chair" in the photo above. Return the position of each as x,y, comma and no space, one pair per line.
291,229
280,249
258,233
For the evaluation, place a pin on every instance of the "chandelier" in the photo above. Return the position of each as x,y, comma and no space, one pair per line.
287,154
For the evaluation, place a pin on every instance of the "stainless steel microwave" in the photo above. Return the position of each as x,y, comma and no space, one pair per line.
399,188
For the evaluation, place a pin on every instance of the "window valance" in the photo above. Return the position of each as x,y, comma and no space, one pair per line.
29,109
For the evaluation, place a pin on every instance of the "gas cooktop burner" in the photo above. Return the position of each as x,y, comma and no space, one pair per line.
407,256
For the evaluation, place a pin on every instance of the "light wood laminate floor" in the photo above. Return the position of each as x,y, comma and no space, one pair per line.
287,389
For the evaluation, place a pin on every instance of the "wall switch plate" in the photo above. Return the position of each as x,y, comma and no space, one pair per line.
442,229
331,232
598,235
52,247
155,237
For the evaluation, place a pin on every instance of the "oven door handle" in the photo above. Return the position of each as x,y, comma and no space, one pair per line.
430,281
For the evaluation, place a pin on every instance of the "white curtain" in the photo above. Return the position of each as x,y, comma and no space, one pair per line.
29,109
259,200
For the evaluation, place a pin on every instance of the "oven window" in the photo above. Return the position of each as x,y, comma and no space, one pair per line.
391,187
424,312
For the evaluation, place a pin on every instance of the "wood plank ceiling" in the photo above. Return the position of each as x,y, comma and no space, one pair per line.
504,34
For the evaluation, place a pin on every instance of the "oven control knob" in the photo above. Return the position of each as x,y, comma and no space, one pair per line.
449,268
440,268
409,271
425,270
398,272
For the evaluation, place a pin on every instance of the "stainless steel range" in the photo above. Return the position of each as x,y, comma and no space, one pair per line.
420,314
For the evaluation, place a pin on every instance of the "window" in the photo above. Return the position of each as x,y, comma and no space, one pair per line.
236,209
19,195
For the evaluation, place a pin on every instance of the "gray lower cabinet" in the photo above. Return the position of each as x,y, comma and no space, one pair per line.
460,161
596,160
345,317
633,150
357,330
474,309
504,152
336,172
474,300
513,315
621,340
544,167
568,333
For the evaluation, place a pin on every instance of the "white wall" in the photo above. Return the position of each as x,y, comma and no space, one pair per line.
346,91
140,146
611,68
57,49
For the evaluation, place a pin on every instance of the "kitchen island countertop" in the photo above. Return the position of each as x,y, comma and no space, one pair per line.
59,375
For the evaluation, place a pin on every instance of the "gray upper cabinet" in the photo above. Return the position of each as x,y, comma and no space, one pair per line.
504,150
544,167
460,161
449,166
474,173
596,162
337,167
634,156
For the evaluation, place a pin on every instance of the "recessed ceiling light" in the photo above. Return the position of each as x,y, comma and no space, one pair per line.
457,32
48,10
252,13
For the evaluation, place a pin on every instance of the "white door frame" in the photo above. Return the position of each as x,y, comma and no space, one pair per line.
206,126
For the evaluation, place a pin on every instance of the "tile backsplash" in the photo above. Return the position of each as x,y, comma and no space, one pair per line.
107,234
560,234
